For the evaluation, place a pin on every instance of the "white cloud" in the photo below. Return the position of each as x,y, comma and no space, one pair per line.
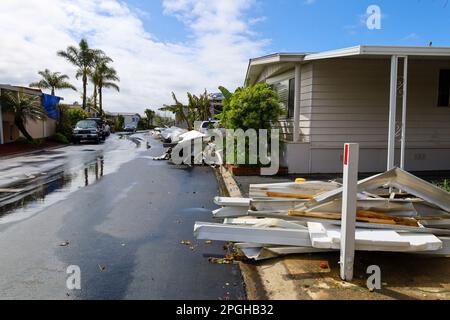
218,44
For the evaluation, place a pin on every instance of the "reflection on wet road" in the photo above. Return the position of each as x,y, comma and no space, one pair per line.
42,189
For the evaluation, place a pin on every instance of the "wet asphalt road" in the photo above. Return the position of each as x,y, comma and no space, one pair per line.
124,232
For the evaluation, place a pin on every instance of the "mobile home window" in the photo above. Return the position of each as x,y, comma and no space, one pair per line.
291,101
286,93
444,88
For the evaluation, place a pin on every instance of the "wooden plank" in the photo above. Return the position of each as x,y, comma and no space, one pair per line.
289,195
361,216
7,190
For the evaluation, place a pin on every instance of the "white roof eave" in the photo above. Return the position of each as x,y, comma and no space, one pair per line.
381,51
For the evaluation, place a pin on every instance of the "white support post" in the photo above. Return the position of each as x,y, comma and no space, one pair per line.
350,189
404,110
298,85
392,113
2,141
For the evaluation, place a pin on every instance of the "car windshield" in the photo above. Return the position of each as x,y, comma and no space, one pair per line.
86,124
206,125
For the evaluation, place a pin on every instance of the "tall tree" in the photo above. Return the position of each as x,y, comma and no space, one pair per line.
106,78
83,57
150,114
23,107
178,110
53,81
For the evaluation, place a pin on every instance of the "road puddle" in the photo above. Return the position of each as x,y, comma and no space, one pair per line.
48,188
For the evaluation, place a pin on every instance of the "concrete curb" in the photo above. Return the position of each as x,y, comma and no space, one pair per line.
253,282
16,155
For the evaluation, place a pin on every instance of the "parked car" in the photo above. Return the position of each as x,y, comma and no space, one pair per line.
130,127
211,124
101,125
87,130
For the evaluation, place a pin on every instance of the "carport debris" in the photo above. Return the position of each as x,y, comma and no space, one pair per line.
305,217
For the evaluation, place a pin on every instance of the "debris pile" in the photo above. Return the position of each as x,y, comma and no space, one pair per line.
182,139
396,212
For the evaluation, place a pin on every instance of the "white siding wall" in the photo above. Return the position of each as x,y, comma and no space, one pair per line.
351,102
286,125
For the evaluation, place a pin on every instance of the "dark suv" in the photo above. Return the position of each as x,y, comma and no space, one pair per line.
87,130
101,126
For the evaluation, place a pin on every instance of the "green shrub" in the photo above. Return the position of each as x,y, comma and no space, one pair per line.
251,107
254,107
34,142
445,184
60,138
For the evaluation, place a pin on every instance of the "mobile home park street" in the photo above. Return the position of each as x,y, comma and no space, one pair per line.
120,217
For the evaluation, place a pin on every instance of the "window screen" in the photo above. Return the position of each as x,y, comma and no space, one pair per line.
444,88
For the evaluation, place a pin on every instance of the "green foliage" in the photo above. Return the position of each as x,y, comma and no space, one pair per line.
445,184
23,107
53,81
32,142
143,124
60,138
251,107
84,58
198,109
75,115
226,94
119,122
161,121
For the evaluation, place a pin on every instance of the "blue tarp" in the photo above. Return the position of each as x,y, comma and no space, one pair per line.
50,104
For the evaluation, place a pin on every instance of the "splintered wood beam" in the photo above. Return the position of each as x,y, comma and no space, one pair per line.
361,216
289,195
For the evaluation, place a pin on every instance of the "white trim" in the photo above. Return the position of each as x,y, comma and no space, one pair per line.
334,53
404,112
2,140
381,50
392,113
297,102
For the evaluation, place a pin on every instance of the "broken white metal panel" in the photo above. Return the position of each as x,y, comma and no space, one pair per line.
291,189
264,253
232,201
275,204
363,225
230,212
438,223
399,207
329,237
443,252
399,179
277,236
266,223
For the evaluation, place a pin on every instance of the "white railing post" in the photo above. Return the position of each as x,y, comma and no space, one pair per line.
349,207
298,85
392,113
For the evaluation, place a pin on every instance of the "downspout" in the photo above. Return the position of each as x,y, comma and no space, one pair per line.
2,141
404,112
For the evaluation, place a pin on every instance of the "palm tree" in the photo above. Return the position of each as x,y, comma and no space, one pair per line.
178,110
150,114
105,77
53,81
23,107
83,57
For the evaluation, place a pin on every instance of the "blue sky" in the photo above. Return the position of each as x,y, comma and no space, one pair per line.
302,25
164,46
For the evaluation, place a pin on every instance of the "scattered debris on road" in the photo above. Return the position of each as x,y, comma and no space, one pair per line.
305,217
64,243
